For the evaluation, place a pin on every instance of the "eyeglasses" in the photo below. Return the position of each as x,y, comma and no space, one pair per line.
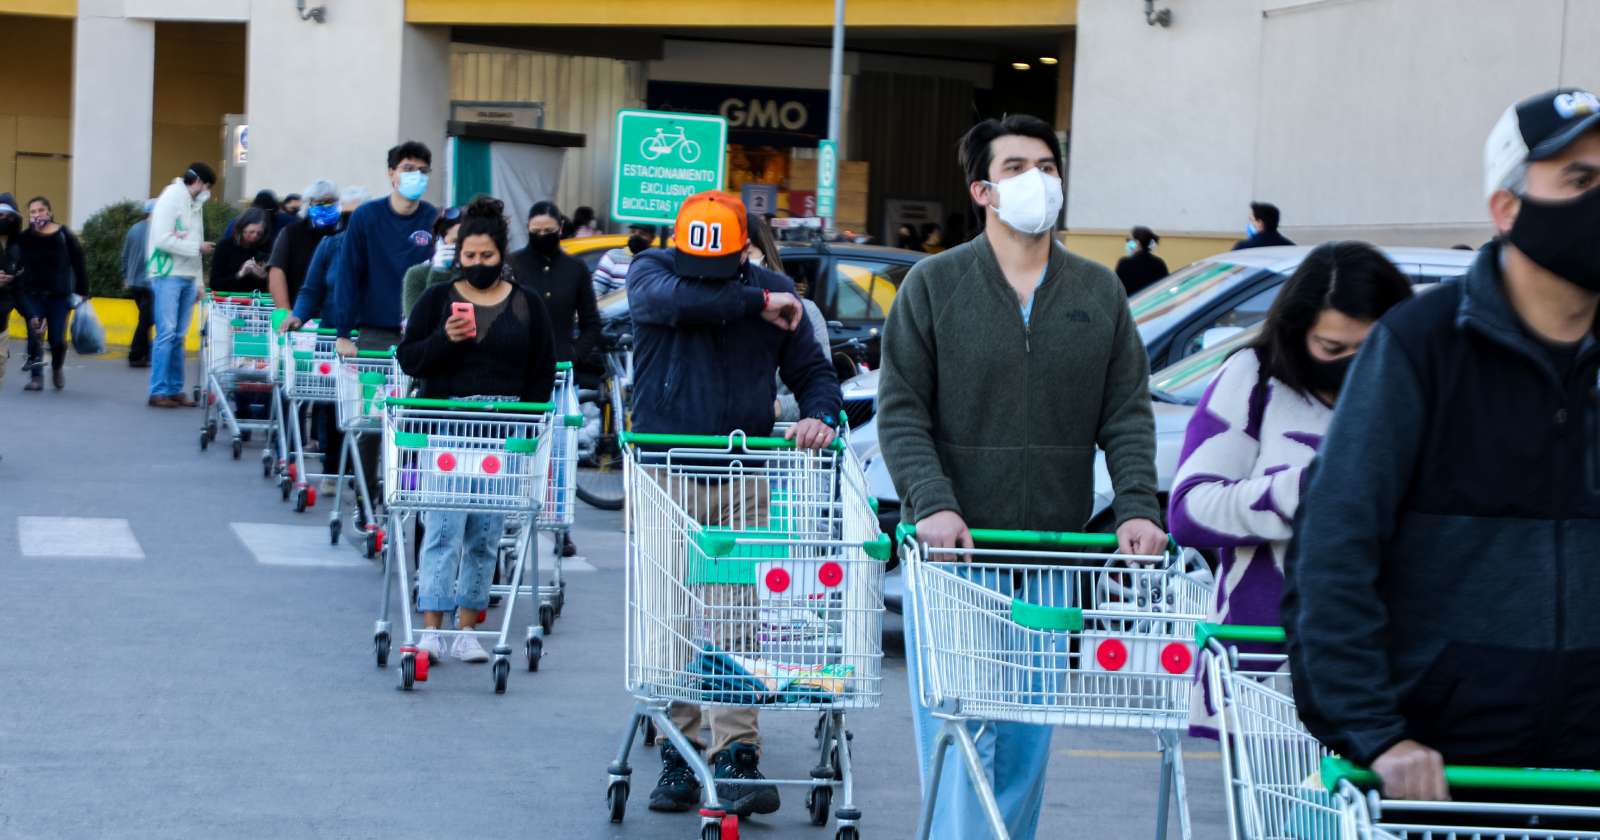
406,167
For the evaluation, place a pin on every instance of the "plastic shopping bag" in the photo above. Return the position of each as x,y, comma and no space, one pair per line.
88,337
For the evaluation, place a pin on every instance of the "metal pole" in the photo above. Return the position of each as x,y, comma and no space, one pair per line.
835,83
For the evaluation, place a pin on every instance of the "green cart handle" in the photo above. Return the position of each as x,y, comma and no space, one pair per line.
375,354
1039,617
1336,770
573,421
722,543
1206,631
560,366
1040,539
714,441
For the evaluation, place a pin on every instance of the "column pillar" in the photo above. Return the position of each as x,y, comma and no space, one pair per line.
113,94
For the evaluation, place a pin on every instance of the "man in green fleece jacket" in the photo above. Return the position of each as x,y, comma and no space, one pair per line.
1006,361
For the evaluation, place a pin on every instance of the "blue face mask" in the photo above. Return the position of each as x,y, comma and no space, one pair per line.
1250,230
323,215
413,185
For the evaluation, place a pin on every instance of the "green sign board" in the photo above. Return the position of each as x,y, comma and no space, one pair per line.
827,177
662,159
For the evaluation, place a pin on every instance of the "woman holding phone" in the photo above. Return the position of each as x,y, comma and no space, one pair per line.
480,336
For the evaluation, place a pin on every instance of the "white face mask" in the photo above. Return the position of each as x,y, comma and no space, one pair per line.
1029,202
203,197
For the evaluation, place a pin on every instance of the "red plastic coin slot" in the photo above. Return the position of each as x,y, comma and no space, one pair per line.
830,574
447,462
1111,654
1176,658
324,368
777,580
491,464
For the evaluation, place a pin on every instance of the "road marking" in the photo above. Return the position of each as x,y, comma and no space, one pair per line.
77,536
305,546
1141,754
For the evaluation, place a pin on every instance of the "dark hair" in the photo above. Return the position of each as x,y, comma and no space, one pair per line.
1145,237
977,145
41,200
448,218
266,200
647,230
1267,213
583,216
1352,277
252,216
485,216
409,150
202,172
545,208
761,237
292,197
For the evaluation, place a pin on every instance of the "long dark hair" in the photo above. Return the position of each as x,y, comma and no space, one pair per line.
485,216
253,216
1352,277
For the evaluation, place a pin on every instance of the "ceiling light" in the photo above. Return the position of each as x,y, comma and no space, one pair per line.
1019,65
1047,60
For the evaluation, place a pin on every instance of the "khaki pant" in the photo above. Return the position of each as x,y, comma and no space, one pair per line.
743,505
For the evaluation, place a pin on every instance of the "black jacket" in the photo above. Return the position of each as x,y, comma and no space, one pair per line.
564,285
1140,269
52,265
1264,239
1444,580
10,262
704,358
228,259
513,358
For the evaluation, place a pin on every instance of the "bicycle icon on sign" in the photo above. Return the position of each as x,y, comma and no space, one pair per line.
662,143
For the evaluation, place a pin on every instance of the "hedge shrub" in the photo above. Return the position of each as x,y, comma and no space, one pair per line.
103,233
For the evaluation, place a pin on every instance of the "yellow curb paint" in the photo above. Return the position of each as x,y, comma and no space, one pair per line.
119,317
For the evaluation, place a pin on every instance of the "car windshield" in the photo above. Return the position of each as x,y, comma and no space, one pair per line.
1184,382
1167,302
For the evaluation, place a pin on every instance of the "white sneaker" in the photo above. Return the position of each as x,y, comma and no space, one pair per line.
433,645
467,649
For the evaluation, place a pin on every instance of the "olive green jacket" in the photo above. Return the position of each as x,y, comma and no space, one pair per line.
998,420
416,281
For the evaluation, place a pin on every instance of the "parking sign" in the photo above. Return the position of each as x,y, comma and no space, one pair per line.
827,177
663,158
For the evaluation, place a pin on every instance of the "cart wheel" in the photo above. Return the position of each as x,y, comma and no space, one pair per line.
205,440
302,498
561,598
211,429
283,487
847,833
238,448
267,463
727,829
245,435
617,798
819,800
502,670
534,649
196,396
379,538
369,545
649,733
547,617
334,528
408,669
380,646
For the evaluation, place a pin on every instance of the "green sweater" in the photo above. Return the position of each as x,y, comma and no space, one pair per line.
998,420
417,280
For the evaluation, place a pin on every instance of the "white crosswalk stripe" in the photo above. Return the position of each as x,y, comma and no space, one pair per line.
304,546
77,536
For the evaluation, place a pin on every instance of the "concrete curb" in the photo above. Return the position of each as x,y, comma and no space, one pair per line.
119,317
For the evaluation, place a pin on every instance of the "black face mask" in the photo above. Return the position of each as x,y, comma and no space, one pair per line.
1563,237
1328,377
545,243
480,276
10,226
638,243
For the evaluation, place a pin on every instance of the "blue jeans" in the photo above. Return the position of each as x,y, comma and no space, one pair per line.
446,534
1016,755
174,306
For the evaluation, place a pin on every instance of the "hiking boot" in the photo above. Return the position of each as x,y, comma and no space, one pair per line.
677,789
740,762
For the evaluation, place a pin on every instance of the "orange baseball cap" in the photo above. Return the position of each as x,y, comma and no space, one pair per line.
711,235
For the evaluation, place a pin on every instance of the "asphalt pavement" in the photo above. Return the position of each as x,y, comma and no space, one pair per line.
190,658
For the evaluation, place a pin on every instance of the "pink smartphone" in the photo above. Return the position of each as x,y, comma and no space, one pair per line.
467,311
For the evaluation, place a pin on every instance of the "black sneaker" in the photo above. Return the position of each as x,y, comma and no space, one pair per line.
677,790
740,762
568,549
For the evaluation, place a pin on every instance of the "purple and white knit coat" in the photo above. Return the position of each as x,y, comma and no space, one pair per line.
1238,484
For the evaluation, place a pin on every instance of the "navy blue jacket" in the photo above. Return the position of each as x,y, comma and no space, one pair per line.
378,246
314,301
704,358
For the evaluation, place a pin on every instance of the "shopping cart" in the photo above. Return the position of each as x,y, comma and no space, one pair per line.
236,358
755,579
362,385
473,457
305,362
555,515
1052,629
1284,785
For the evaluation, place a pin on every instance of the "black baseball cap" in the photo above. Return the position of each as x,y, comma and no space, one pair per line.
1535,129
